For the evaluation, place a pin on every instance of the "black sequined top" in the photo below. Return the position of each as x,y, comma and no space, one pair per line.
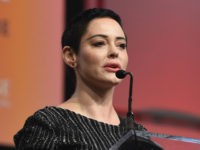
55,128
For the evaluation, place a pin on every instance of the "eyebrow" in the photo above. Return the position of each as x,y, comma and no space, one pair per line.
105,36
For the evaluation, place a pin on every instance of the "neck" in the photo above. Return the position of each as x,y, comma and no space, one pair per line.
97,93
95,103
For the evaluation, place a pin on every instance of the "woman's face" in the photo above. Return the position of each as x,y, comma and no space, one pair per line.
102,52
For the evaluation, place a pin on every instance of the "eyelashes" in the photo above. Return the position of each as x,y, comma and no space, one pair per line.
102,43
98,44
123,46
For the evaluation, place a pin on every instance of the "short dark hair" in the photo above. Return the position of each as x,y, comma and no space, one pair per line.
72,35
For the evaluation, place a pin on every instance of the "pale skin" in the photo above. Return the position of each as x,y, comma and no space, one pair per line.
102,53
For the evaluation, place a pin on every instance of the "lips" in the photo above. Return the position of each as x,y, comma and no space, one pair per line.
112,67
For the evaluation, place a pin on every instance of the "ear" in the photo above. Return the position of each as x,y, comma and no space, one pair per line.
69,57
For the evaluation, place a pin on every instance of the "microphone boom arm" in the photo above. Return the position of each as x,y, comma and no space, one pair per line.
130,116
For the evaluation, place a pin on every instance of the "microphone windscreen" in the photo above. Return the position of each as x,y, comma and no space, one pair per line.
120,74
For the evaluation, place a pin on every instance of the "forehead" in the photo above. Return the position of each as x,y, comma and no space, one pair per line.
104,26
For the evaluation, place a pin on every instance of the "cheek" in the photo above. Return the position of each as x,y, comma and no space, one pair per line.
89,59
125,60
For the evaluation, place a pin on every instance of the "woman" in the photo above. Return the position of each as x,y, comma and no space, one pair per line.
94,47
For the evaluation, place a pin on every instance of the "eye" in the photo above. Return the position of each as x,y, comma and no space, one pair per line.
98,44
123,45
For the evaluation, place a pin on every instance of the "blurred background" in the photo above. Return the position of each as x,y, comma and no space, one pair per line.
164,56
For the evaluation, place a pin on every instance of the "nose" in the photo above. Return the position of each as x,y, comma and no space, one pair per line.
113,52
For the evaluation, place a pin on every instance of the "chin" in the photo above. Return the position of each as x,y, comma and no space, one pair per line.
116,81
110,83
